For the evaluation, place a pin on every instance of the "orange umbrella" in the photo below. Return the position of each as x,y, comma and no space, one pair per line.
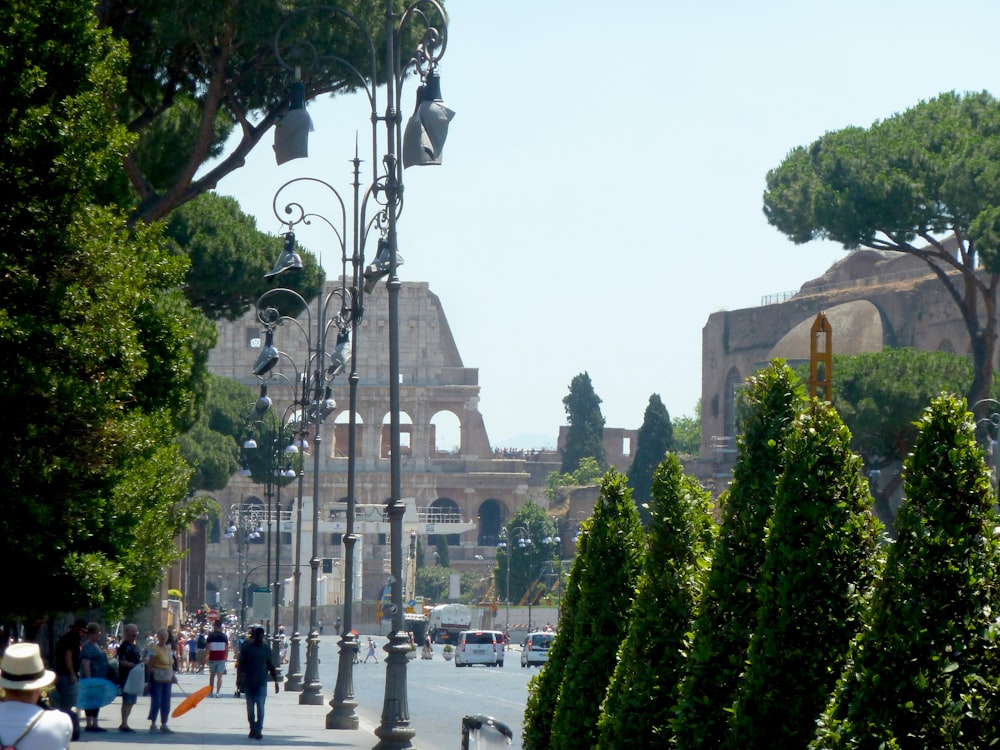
191,701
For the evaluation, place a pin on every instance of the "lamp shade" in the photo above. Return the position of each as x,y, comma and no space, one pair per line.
289,260
427,129
341,354
291,133
267,358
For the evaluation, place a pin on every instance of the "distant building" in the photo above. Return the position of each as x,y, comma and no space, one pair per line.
872,300
463,491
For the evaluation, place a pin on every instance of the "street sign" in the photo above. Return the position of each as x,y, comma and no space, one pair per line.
212,614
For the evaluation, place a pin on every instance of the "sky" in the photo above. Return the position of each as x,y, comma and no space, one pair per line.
601,188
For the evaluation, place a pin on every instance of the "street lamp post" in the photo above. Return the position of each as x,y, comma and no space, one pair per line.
523,540
245,524
421,143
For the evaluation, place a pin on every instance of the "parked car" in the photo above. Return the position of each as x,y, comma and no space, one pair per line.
535,649
479,647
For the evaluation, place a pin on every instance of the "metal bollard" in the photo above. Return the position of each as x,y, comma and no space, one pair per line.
481,732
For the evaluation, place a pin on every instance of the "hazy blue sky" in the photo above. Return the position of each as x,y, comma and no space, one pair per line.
601,189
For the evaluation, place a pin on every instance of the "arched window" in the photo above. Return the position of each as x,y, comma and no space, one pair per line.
443,510
491,516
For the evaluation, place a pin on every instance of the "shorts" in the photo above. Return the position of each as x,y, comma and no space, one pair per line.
217,667
128,699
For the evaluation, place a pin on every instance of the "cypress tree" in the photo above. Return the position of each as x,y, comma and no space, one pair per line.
925,671
585,436
642,695
820,566
655,440
727,612
608,570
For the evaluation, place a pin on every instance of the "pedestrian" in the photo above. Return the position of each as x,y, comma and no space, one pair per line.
192,651
252,668
336,626
201,650
23,723
93,664
129,657
371,651
160,660
67,670
218,648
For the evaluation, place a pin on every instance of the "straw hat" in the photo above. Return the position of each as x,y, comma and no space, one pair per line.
22,668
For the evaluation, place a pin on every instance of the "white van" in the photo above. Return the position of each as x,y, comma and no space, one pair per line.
479,647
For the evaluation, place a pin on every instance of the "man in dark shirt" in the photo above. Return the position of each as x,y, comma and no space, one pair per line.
254,665
129,656
67,668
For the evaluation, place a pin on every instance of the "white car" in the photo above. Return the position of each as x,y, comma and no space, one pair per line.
479,647
535,649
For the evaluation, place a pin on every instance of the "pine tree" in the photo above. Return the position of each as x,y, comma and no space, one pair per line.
925,671
656,439
726,616
820,567
642,695
585,436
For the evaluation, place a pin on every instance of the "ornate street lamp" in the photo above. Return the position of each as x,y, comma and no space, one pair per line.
421,143
246,523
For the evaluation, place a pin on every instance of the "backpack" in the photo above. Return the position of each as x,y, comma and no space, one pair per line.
201,641
31,725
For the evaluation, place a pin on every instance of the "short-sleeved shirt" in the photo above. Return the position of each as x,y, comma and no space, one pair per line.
218,646
97,658
69,641
52,731
127,652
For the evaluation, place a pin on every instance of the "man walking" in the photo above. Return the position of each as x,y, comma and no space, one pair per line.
252,669
218,649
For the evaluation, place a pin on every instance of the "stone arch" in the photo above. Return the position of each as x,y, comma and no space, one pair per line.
405,435
733,383
492,513
342,435
445,434
442,510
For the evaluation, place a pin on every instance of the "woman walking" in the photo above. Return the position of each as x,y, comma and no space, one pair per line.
161,661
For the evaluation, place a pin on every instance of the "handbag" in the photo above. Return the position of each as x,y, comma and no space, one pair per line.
162,675
136,680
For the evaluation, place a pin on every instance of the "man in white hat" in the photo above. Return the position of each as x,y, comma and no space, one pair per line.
23,723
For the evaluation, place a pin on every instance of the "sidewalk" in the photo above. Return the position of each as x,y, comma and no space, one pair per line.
223,722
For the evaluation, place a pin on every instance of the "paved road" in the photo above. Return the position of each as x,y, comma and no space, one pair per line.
439,695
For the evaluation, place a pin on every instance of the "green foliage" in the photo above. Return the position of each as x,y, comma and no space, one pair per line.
726,617
642,694
687,433
920,175
103,357
655,440
585,436
587,473
925,670
608,574
821,564
543,688
526,552
880,396
229,257
211,446
443,559
201,73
